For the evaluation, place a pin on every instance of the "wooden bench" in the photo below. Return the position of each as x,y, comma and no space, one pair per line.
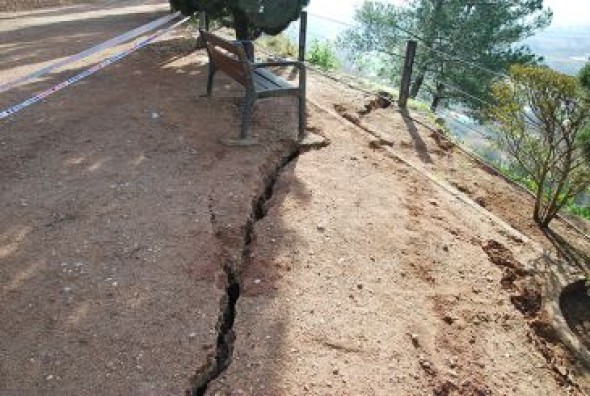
230,58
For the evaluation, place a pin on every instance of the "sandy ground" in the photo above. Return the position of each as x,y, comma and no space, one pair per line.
121,214
112,272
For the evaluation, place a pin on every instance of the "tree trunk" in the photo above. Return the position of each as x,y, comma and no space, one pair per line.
430,36
243,34
417,84
240,25
437,96
545,223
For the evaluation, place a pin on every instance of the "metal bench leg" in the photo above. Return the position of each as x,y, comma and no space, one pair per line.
245,138
210,77
302,96
302,116
247,108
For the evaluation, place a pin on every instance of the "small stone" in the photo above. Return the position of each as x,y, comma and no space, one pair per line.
114,284
426,365
192,335
415,340
453,362
321,228
49,377
257,281
359,286
448,319
155,116
335,371
561,370
67,290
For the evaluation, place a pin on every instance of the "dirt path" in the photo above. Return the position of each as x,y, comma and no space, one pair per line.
127,232
111,269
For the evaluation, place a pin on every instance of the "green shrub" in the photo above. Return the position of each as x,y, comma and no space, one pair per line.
322,55
280,45
584,77
551,147
580,211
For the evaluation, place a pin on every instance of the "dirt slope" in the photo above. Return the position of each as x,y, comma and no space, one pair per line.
367,279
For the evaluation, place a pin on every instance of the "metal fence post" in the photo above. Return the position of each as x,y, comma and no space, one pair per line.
404,90
302,35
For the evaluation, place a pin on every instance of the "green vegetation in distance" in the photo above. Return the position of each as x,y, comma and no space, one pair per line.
584,77
322,55
543,125
484,33
487,155
280,45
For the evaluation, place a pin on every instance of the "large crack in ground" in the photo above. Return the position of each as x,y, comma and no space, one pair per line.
220,362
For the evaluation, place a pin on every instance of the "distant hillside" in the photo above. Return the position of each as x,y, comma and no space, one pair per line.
566,49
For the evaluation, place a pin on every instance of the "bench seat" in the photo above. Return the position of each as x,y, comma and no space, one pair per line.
259,82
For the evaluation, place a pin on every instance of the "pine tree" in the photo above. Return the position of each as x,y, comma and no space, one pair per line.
250,18
453,36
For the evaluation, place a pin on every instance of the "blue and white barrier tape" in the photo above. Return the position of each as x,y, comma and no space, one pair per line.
97,48
109,61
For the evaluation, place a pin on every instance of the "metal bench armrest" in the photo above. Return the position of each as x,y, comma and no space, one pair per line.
298,64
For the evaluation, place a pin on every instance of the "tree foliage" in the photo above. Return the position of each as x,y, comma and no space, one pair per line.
482,33
249,17
322,55
584,77
543,121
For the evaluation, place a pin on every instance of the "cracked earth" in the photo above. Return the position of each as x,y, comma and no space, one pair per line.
138,256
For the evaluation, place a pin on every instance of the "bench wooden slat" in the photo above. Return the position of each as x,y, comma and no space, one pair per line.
236,49
232,67
269,76
262,83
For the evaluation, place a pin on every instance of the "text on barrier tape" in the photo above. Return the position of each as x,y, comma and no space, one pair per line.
115,58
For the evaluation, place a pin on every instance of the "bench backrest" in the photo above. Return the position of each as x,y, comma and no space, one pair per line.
228,57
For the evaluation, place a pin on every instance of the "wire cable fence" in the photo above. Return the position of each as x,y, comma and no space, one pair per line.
482,148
